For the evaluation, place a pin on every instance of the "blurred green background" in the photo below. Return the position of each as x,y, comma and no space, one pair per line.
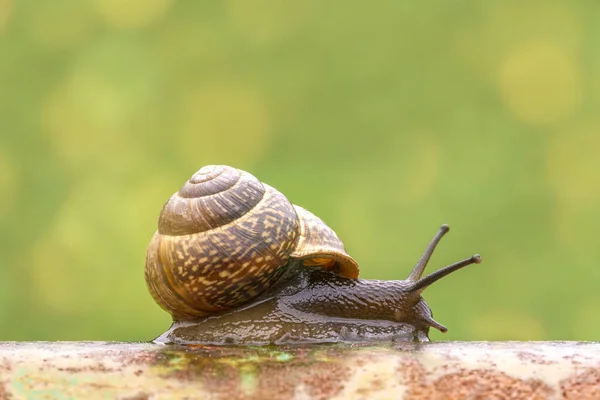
386,120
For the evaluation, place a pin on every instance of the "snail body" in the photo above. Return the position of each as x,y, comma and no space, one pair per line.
233,261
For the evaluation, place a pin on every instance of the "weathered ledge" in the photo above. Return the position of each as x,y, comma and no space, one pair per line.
478,370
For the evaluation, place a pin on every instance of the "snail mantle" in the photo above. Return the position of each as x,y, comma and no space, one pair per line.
235,262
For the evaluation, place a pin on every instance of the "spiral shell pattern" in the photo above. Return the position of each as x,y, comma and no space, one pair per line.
225,237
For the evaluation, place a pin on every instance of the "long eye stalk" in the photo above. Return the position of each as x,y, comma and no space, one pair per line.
417,271
422,283
419,283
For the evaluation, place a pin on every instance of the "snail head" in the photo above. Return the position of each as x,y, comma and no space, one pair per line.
416,283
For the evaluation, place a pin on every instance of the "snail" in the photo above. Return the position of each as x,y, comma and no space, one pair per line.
235,262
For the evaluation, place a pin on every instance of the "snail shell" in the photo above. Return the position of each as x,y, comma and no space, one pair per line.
225,238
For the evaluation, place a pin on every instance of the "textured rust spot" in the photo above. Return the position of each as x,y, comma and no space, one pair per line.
270,386
5,365
4,394
325,382
136,396
572,359
415,378
533,358
490,385
584,385
262,373
477,384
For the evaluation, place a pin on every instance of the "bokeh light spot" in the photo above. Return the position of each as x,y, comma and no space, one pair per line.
186,47
8,183
100,99
74,260
224,123
112,80
58,24
75,135
266,21
132,13
541,82
571,164
482,43
5,12
85,140
571,160
90,112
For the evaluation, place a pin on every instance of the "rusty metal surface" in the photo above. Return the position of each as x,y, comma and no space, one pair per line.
443,370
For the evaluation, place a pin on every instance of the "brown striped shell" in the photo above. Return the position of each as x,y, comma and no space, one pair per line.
225,237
